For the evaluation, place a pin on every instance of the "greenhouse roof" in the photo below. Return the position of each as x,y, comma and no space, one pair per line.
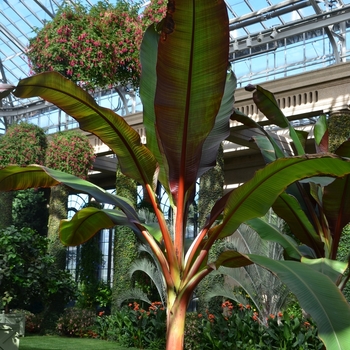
269,39
253,23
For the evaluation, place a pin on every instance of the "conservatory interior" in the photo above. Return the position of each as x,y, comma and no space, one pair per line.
296,49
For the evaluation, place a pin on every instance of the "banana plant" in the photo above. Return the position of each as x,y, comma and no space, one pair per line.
316,211
187,93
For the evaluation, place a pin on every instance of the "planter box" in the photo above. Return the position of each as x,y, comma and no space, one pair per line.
16,321
9,339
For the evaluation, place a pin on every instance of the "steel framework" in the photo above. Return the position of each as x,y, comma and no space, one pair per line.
269,40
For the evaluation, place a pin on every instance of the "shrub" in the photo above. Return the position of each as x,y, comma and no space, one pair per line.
94,296
286,332
77,322
33,322
27,273
192,334
134,326
29,209
239,327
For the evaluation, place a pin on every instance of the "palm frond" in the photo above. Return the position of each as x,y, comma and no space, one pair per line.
153,272
132,295
265,290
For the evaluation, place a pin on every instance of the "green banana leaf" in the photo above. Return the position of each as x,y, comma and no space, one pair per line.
268,150
268,105
232,259
14,177
288,208
318,296
89,221
268,141
135,159
332,268
270,232
336,208
256,196
321,134
221,129
316,292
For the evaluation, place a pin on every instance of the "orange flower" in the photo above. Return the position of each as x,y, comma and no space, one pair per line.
200,315
272,316
227,305
280,314
248,307
241,306
306,324
211,317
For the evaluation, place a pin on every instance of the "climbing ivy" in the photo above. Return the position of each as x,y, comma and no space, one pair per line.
71,152
210,189
339,129
124,241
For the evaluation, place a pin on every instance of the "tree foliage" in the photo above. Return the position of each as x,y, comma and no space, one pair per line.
27,271
30,209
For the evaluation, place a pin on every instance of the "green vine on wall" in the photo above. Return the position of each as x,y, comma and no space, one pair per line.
211,189
125,243
71,152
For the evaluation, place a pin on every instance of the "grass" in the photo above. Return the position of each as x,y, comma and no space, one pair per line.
62,343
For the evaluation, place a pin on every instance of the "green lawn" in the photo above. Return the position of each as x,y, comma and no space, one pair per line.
62,343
